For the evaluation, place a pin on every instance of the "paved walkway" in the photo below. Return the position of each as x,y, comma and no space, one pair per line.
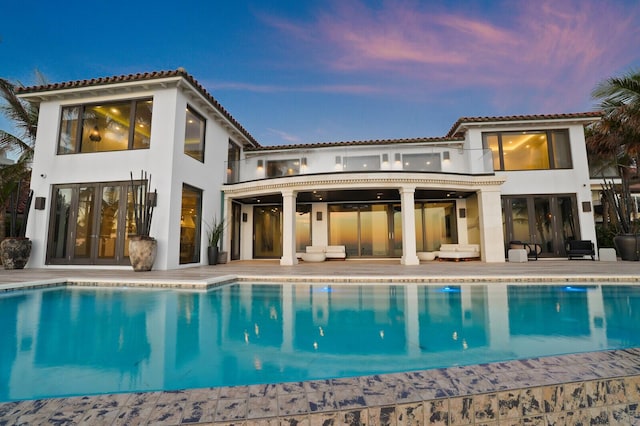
546,270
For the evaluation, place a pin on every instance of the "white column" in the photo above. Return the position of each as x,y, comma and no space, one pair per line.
288,228
409,256
226,233
491,232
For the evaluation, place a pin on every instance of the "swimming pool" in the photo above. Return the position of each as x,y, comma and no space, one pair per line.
80,341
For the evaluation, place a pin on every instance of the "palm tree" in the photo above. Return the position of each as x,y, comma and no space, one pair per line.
614,141
24,117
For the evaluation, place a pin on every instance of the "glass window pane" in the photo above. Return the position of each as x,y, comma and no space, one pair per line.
194,135
421,162
108,222
84,222
277,168
142,130
520,219
526,151
491,141
343,227
106,127
364,162
303,226
190,225
233,163
60,223
561,149
68,130
267,225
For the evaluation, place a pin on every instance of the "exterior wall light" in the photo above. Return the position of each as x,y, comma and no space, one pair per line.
260,164
446,156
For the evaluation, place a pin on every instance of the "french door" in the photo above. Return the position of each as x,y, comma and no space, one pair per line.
90,224
547,220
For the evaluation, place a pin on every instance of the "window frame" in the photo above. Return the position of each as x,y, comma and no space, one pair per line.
79,125
550,141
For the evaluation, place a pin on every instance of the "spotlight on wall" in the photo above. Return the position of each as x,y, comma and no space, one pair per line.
303,161
260,164
446,156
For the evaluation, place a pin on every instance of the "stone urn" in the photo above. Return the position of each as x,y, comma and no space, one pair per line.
15,252
142,252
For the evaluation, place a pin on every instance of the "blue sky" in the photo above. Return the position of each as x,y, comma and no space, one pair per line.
338,70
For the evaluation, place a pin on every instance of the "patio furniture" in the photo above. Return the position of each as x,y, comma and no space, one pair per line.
580,248
532,249
518,255
314,254
427,255
607,255
459,251
335,252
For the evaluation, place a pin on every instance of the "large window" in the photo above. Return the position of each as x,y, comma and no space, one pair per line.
233,162
534,150
194,135
109,126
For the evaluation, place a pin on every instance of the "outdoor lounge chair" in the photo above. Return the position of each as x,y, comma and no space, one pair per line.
580,248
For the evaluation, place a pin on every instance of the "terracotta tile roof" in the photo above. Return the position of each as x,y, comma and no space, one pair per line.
180,72
456,125
355,143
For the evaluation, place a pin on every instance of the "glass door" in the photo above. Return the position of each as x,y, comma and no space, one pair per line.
366,230
545,220
267,232
89,224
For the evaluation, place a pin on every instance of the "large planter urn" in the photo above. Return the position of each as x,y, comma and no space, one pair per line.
627,246
15,252
142,252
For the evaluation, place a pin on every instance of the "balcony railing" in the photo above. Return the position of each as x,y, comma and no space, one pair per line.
441,159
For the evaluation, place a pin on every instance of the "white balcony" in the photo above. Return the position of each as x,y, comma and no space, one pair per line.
407,158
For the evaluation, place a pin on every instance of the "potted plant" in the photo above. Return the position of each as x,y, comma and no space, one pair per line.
15,248
142,247
214,234
614,141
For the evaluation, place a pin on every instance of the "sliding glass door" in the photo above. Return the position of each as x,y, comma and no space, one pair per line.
366,230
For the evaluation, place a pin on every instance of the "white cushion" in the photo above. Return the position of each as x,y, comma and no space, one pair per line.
315,249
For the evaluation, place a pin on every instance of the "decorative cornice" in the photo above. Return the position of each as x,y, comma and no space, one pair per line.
295,183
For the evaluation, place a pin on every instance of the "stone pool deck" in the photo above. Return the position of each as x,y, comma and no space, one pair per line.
597,388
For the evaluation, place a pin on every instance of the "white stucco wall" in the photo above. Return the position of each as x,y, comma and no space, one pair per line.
165,161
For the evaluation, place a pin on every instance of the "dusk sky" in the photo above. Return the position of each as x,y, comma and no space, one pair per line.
299,71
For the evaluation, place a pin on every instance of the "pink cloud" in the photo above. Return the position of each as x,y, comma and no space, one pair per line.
553,49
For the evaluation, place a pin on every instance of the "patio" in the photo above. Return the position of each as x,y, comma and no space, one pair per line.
590,388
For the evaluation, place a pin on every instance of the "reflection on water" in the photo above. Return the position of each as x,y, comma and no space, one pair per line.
82,341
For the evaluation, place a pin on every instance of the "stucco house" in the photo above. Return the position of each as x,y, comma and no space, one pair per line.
488,181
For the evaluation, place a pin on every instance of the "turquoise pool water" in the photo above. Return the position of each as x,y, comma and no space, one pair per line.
79,341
